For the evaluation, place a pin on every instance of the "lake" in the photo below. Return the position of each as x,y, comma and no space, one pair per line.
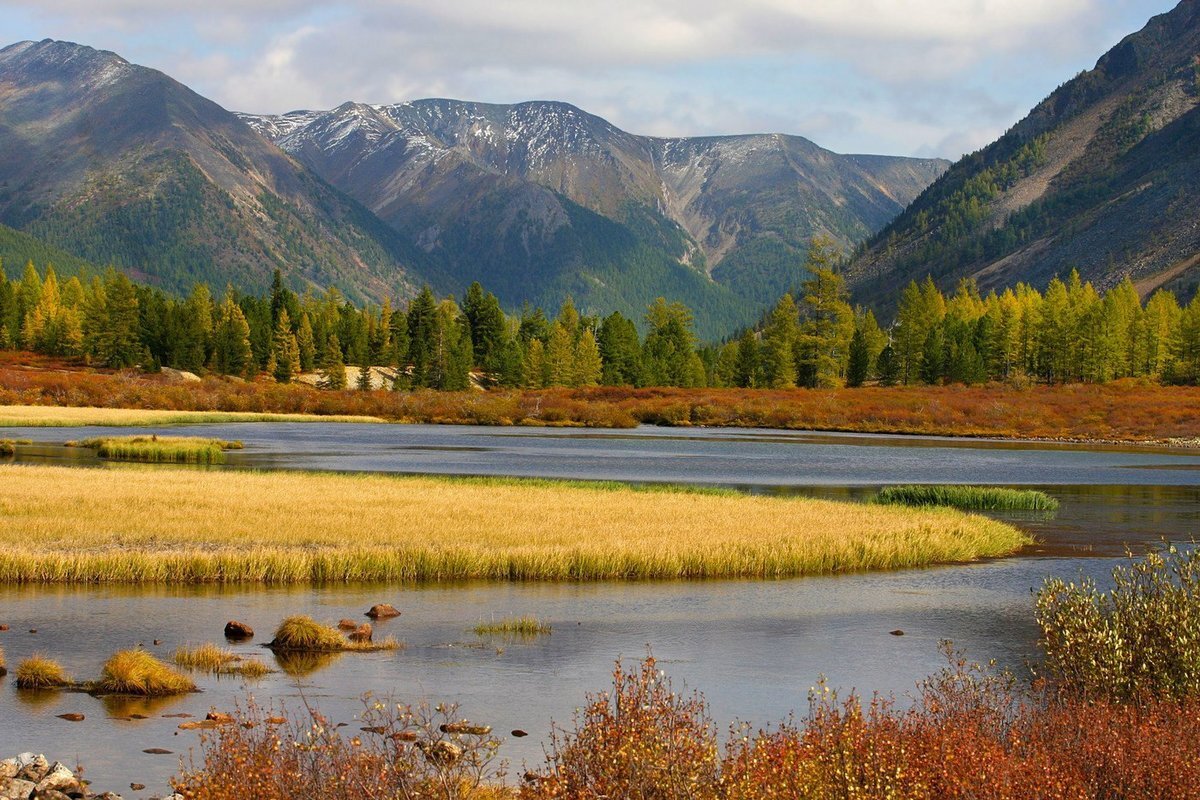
753,647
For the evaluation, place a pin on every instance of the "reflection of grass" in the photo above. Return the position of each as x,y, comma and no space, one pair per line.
218,661
512,626
137,672
161,449
974,498
62,416
185,526
40,672
299,663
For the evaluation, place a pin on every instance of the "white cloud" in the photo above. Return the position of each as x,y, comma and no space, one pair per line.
876,75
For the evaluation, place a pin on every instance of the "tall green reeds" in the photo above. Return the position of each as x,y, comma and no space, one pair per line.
970,498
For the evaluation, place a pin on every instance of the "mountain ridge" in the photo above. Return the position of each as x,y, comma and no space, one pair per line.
1100,177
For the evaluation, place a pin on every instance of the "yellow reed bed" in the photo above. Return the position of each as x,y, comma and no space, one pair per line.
72,417
171,525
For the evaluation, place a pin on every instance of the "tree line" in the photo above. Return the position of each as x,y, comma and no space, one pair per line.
812,337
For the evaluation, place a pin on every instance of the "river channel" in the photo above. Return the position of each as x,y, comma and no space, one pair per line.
754,648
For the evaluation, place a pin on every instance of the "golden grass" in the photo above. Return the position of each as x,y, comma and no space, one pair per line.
137,672
303,634
169,525
40,672
218,660
160,449
63,416
512,626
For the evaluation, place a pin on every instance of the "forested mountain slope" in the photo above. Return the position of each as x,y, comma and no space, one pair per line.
1103,176
121,164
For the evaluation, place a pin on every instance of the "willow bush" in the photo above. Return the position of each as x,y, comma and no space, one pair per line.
1141,638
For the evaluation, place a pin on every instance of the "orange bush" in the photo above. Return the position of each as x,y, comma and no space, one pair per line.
1128,410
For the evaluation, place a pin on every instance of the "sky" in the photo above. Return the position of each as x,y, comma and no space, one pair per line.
898,77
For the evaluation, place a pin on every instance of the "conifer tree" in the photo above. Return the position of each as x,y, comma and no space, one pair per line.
231,340
778,345
333,371
587,364
620,350
285,351
305,343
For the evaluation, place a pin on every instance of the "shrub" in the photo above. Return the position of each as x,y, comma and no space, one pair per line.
136,672
1141,638
401,753
971,498
640,741
39,672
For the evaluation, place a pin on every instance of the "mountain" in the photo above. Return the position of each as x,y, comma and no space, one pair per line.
539,200
18,249
1102,176
120,164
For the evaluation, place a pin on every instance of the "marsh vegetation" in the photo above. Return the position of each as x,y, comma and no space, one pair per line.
969,498
183,526
525,625
160,449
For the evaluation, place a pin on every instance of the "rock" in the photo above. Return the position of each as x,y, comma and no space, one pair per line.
180,715
9,768
404,736
137,787
73,717
157,642
179,376
238,630
347,624
896,632
107,796
383,611
33,767
157,751
362,634
219,718
276,720
3,627
33,630
51,794
199,725
16,789
519,734
59,779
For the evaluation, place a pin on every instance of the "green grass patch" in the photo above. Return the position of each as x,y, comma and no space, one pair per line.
160,449
512,626
971,498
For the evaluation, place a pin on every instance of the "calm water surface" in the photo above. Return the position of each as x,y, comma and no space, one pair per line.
753,647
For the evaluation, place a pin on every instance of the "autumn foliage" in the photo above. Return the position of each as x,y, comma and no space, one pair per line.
1124,410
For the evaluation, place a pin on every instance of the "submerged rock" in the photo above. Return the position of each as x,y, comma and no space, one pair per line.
347,624
238,630
383,611
362,634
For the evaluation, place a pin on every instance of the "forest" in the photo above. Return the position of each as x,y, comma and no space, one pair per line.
813,336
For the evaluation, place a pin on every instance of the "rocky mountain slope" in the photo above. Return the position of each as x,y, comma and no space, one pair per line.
121,164
1103,176
544,195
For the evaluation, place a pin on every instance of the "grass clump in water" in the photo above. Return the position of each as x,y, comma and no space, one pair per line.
971,498
302,633
162,449
137,672
513,626
39,672
219,661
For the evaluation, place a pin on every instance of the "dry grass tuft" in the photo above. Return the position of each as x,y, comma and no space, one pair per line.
187,526
301,633
219,661
40,672
137,672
